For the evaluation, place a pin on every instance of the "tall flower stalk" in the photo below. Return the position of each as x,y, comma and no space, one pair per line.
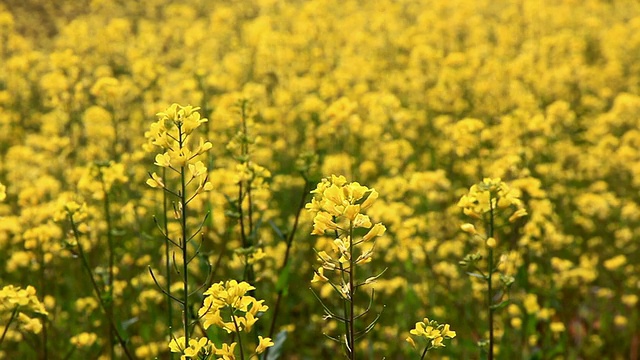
338,206
228,307
431,334
172,133
250,180
305,163
489,202
98,182
77,213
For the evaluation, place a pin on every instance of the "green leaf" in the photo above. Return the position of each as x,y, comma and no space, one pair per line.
500,305
277,230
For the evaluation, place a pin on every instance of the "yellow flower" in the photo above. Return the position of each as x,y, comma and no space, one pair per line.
322,222
419,330
557,327
446,332
377,230
488,195
177,345
3,192
355,191
163,160
247,322
197,169
362,221
155,181
469,228
620,321
518,214
615,262
226,351
370,200
491,242
196,347
30,324
437,342
335,195
365,257
531,304
434,333
84,339
263,344
630,300
351,211
318,276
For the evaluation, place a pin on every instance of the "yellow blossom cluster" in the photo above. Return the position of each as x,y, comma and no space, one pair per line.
338,207
433,332
172,134
227,306
490,195
15,304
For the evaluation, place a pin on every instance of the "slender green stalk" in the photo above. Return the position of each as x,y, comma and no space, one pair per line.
109,305
489,282
246,230
183,242
290,237
351,317
344,302
43,288
235,324
167,257
96,288
424,353
14,313
177,124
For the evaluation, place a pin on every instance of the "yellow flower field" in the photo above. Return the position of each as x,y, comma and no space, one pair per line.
290,179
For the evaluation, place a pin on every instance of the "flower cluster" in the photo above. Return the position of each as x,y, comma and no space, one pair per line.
338,207
16,303
432,332
197,349
489,195
491,201
488,200
172,134
227,306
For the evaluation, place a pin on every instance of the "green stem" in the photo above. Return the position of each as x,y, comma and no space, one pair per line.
167,256
14,313
352,274
237,332
424,353
344,302
489,279
290,237
246,234
96,288
183,242
43,288
109,305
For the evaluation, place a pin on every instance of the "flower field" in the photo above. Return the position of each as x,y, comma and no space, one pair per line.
290,179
